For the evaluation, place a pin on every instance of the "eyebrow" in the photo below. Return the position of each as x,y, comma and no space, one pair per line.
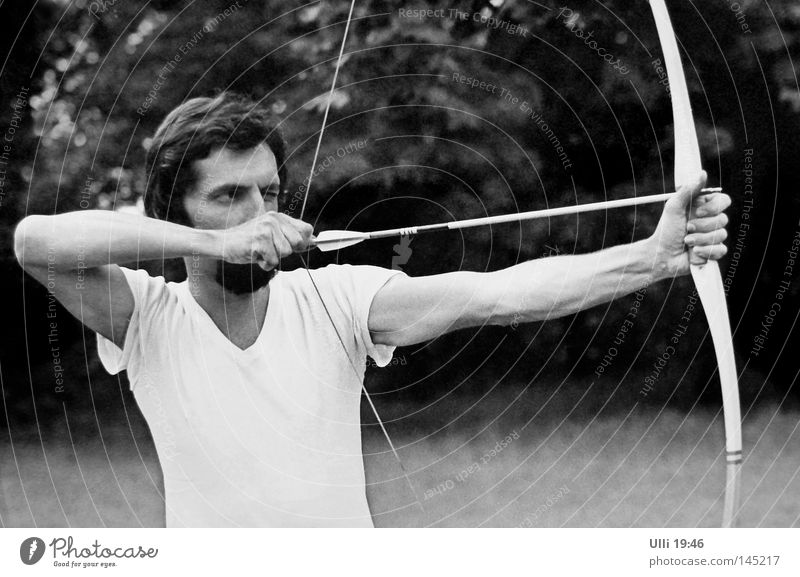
225,187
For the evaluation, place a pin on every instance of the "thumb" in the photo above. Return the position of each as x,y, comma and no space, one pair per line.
682,202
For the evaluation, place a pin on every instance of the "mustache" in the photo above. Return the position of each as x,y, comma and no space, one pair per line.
242,278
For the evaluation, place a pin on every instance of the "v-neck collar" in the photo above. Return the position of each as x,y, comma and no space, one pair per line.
188,299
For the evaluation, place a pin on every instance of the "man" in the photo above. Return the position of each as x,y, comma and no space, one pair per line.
242,372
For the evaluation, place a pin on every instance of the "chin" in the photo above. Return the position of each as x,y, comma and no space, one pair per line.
242,279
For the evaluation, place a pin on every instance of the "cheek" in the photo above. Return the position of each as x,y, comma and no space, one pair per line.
206,217
196,212
240,212
210,215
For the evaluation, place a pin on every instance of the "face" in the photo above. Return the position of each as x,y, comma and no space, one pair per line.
231,188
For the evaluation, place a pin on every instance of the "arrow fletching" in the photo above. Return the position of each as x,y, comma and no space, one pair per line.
337,239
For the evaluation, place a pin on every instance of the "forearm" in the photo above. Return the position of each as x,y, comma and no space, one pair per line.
553,287
91,238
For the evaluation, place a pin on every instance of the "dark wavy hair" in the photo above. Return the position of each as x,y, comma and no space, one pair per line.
190,132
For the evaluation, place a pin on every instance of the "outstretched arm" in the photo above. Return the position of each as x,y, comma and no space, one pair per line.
411,310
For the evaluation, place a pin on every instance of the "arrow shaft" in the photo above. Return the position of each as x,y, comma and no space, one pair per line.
521,216
515,217
563,210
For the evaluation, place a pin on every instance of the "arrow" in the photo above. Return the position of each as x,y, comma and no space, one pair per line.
337,239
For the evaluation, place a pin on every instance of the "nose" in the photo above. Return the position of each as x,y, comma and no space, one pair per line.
255,205
248,205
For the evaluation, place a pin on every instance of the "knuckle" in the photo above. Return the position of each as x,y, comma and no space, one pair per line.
266,228
304,230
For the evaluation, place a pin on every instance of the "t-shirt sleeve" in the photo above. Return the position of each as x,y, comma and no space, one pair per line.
147,297
361,283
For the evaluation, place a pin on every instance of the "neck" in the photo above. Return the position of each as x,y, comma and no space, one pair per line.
211,296
240,317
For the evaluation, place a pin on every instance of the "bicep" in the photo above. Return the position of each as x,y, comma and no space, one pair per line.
98,297
410,310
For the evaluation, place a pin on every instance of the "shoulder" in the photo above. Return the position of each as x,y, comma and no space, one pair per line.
352,278
151,291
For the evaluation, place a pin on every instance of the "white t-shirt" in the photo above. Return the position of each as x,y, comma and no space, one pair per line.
269,435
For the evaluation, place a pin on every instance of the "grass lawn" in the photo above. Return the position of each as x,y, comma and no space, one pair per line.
646,470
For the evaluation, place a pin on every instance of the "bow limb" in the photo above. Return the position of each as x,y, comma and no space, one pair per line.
706,275
311,277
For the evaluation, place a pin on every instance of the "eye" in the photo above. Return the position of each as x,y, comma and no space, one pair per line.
229,193
270,192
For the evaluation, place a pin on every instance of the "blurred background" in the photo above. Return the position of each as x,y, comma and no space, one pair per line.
442,111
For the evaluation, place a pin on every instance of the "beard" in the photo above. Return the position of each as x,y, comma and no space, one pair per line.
242,279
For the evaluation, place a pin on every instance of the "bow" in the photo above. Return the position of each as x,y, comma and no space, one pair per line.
706,275
311,278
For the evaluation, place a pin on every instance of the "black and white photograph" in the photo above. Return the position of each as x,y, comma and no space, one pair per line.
383,264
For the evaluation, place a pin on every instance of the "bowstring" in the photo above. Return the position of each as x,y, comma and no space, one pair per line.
327,109
311,277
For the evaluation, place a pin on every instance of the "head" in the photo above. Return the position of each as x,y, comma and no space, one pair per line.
215,163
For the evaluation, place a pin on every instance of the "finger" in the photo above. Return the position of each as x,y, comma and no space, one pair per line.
266,259
710,252
681,201
707,224
305,230
291,232
281,244
295,239
265,264
265,253
711,204
706,238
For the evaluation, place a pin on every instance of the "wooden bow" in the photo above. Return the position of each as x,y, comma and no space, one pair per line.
706,275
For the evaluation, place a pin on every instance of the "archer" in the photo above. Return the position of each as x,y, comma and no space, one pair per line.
238,370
